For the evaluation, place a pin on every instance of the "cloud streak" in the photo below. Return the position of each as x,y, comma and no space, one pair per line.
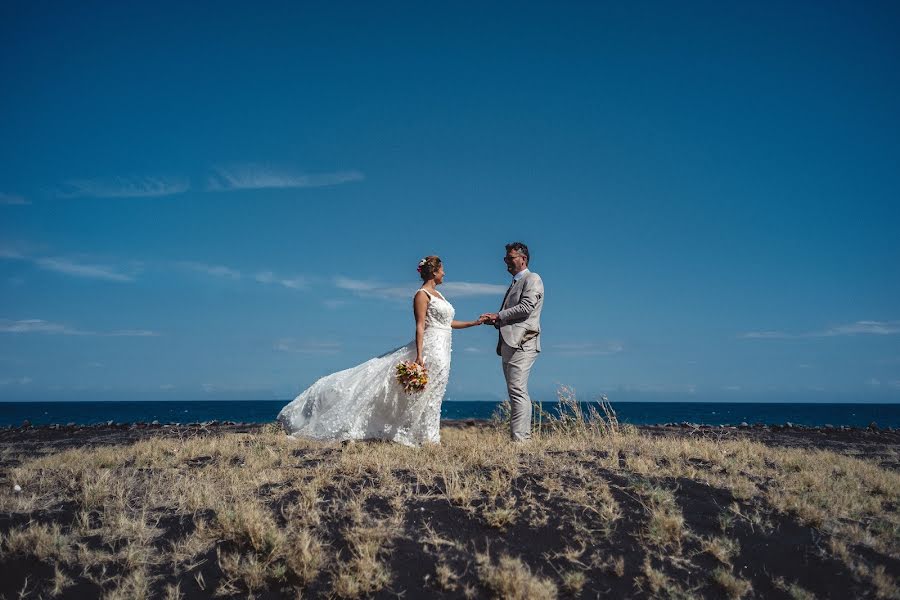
123,187
462,289
857,328
213,270
254,177
307,347
294,283
13,199
67,266
48,327
267,277
452,289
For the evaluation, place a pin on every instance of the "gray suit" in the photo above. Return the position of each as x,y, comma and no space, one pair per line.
519,322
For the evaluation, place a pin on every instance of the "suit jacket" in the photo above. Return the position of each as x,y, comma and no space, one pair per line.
519,318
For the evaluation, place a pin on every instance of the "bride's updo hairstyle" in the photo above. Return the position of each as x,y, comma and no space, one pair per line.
428,266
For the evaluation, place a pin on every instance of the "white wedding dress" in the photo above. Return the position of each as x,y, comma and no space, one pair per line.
367,402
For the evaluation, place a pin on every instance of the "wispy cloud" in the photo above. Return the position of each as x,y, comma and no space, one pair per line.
13,199
375,289
48,327
68,266
123,187
213,270
16,381
588,348
294,283
130,333
256,177
308,346
857,328
334,303
461,289
356,285
11,254
452,289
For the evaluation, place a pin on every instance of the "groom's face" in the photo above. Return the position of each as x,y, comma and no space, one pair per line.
515,262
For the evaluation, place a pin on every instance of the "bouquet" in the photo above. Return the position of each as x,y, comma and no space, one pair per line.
412,376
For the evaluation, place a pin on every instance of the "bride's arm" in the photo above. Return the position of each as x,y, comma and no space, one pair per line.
464,324
420,305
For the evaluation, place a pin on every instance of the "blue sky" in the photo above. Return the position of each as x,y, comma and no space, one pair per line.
229,201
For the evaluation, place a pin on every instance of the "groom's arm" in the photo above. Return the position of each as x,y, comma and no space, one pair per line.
532,292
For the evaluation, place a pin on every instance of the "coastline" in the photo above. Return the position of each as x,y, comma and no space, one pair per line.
26,439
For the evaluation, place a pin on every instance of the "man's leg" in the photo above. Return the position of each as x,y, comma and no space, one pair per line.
516,368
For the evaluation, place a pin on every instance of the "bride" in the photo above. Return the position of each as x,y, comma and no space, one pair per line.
366,401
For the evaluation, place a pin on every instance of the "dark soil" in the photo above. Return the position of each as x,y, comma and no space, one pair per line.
782,548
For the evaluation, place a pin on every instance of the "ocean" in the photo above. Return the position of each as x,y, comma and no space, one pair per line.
637,413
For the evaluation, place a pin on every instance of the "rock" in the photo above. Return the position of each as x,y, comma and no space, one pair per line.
70,424
154,422
788,425
829,426
26,423
108,423
17,488
743,424
873,426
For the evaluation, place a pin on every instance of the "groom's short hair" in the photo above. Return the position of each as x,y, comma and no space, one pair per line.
520,248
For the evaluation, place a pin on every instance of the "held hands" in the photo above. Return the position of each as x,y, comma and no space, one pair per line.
488,318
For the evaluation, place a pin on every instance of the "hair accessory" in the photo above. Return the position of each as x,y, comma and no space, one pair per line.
421,264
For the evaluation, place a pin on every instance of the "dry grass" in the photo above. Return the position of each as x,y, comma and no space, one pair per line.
733,587
269,511
793,590
511,579
722,548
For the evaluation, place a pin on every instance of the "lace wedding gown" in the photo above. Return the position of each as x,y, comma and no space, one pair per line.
366,402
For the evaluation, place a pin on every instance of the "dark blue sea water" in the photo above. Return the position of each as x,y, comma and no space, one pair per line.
638,413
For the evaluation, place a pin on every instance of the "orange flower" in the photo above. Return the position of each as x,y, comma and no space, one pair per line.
412,376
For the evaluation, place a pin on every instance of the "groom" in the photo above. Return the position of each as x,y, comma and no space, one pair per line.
519,322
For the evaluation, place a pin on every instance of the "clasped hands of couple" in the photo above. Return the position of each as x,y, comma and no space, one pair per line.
488,319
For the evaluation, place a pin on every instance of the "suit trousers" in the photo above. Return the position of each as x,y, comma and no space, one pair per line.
517,364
